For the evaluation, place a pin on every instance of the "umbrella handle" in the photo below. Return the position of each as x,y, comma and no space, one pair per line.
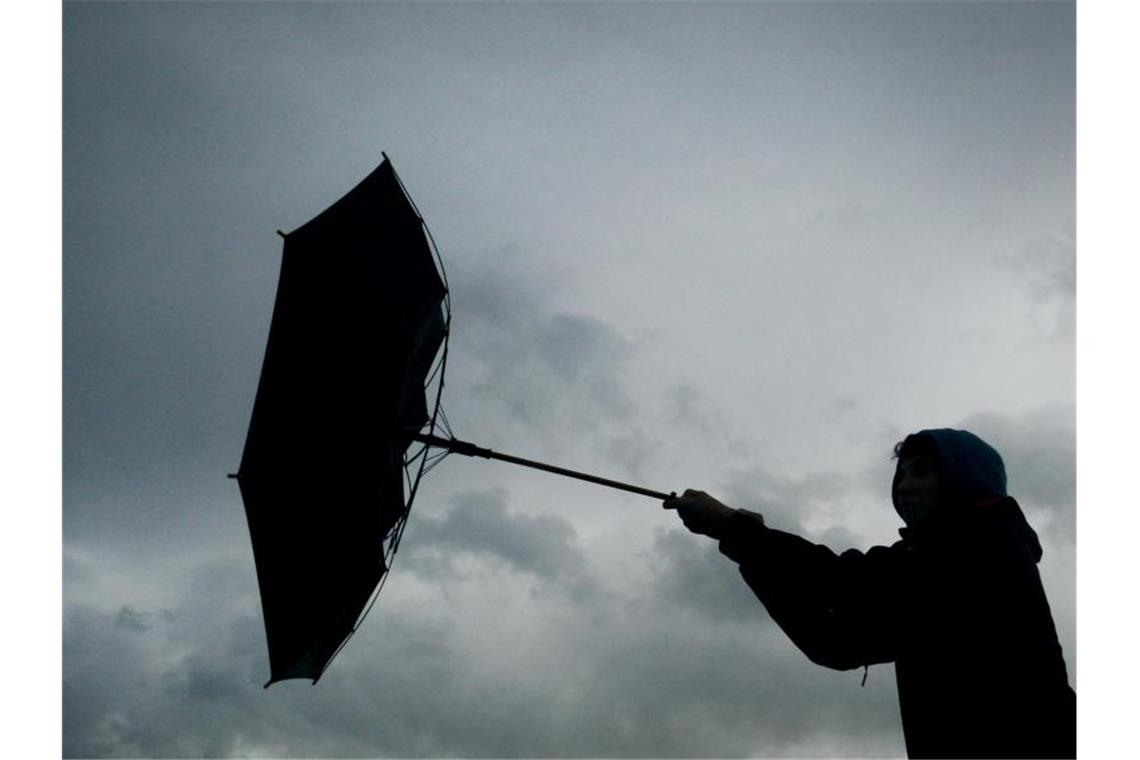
456,446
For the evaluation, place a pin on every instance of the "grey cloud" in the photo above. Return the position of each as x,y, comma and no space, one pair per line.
478,523
634,450
205,681
691,573
1039,449
690,409
683,400
655,685
642,679
538,364
124,697
517,358
130,619
181,681
841,406
639,680
698,690
99,676
644,684
1047,267
839,538
192,131
789,503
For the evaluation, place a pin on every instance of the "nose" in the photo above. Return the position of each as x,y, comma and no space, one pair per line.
905,485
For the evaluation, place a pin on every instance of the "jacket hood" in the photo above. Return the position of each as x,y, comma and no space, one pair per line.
973,476
971,470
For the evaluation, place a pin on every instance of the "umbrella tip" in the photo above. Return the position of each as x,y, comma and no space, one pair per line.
232,475
279,232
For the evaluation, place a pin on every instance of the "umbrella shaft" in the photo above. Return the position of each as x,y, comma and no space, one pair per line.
466,448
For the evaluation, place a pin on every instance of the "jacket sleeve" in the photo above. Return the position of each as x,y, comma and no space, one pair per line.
841,610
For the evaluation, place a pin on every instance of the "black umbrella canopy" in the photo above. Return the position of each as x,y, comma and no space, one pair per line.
359,319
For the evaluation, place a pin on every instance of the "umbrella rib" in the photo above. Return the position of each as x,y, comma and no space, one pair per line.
435,460
445,423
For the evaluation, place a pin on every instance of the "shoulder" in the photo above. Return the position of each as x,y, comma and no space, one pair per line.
878,559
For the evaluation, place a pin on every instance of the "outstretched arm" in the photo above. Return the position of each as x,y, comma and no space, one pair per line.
842,611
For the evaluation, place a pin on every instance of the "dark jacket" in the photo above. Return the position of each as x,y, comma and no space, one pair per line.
959,609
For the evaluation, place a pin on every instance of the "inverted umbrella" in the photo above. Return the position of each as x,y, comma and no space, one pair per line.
345,418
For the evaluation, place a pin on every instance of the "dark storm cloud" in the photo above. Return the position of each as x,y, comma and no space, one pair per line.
517,356
176,680
561,374
192,131
158,692
689,665
203,681
480,525
640,681
130,619
536,363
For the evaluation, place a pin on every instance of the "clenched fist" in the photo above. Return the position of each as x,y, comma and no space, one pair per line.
701,513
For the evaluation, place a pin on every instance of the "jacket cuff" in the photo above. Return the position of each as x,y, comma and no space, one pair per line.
741,534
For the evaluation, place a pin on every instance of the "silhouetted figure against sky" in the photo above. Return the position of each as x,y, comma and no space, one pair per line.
957,604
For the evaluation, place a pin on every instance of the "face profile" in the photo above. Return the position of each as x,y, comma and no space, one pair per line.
917,489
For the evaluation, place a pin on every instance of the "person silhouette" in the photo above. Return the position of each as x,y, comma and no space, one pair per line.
957,604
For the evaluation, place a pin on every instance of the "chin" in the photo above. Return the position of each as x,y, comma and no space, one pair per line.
914,518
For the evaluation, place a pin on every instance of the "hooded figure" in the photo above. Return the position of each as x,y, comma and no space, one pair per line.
957,604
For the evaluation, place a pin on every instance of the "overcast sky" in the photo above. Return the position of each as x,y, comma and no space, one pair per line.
742,247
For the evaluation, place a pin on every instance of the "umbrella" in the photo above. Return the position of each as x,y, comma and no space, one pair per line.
342,429
361,313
